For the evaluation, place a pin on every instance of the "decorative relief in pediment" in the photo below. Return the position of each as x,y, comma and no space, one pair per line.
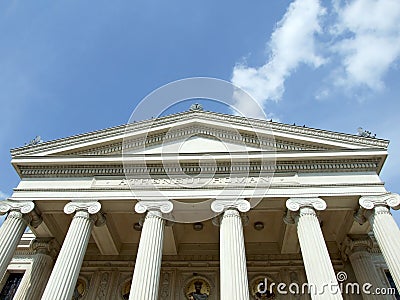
202,119
255,142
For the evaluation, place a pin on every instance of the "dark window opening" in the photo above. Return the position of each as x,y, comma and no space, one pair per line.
11,286
392,284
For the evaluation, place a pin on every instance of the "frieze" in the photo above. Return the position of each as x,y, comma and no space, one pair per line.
186,181
355,165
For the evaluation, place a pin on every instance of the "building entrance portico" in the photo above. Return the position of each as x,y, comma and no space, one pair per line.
201,205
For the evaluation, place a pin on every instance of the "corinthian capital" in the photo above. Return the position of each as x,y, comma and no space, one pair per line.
356,243
48,246
241,205
163,206
389,199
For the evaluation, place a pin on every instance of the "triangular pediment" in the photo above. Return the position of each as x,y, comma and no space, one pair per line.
197,144
200,132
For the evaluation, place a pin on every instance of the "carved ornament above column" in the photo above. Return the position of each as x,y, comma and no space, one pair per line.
86,207
164,207
381,204
241,205
389,199
294,205
356,243
24,207
21,209
48,246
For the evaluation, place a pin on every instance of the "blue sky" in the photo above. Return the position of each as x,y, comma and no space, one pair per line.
77,66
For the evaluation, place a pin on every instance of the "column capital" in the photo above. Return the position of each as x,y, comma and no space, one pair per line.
91,207
241,205
24,207
48,246
309,205
164,207
389,199
376,204
356,243
21,209
294,204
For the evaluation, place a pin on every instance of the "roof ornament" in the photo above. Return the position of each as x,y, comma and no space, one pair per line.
196,107
365,133
35,141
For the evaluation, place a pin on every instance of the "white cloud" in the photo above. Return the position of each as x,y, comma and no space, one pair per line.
291,44
362,45
368,41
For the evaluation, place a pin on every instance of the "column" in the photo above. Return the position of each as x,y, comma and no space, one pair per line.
35,278
317,263
377,210
146,276
20,215
233,269
67,267
357,249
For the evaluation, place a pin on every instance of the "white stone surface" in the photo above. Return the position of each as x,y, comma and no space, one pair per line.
146,275
67,267
385,229
35,278
317,263
234,281
12,229
366,273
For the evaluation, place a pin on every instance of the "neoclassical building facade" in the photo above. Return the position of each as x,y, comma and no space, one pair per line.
200,205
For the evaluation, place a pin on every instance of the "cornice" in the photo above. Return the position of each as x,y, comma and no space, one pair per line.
126,187
118,131
140,171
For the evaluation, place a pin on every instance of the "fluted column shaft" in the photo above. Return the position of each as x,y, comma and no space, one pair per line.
377,210
67,267
20,214
35,278
146,276
10,234
234,281
317,263
365,272
32,284
387,235
233,269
